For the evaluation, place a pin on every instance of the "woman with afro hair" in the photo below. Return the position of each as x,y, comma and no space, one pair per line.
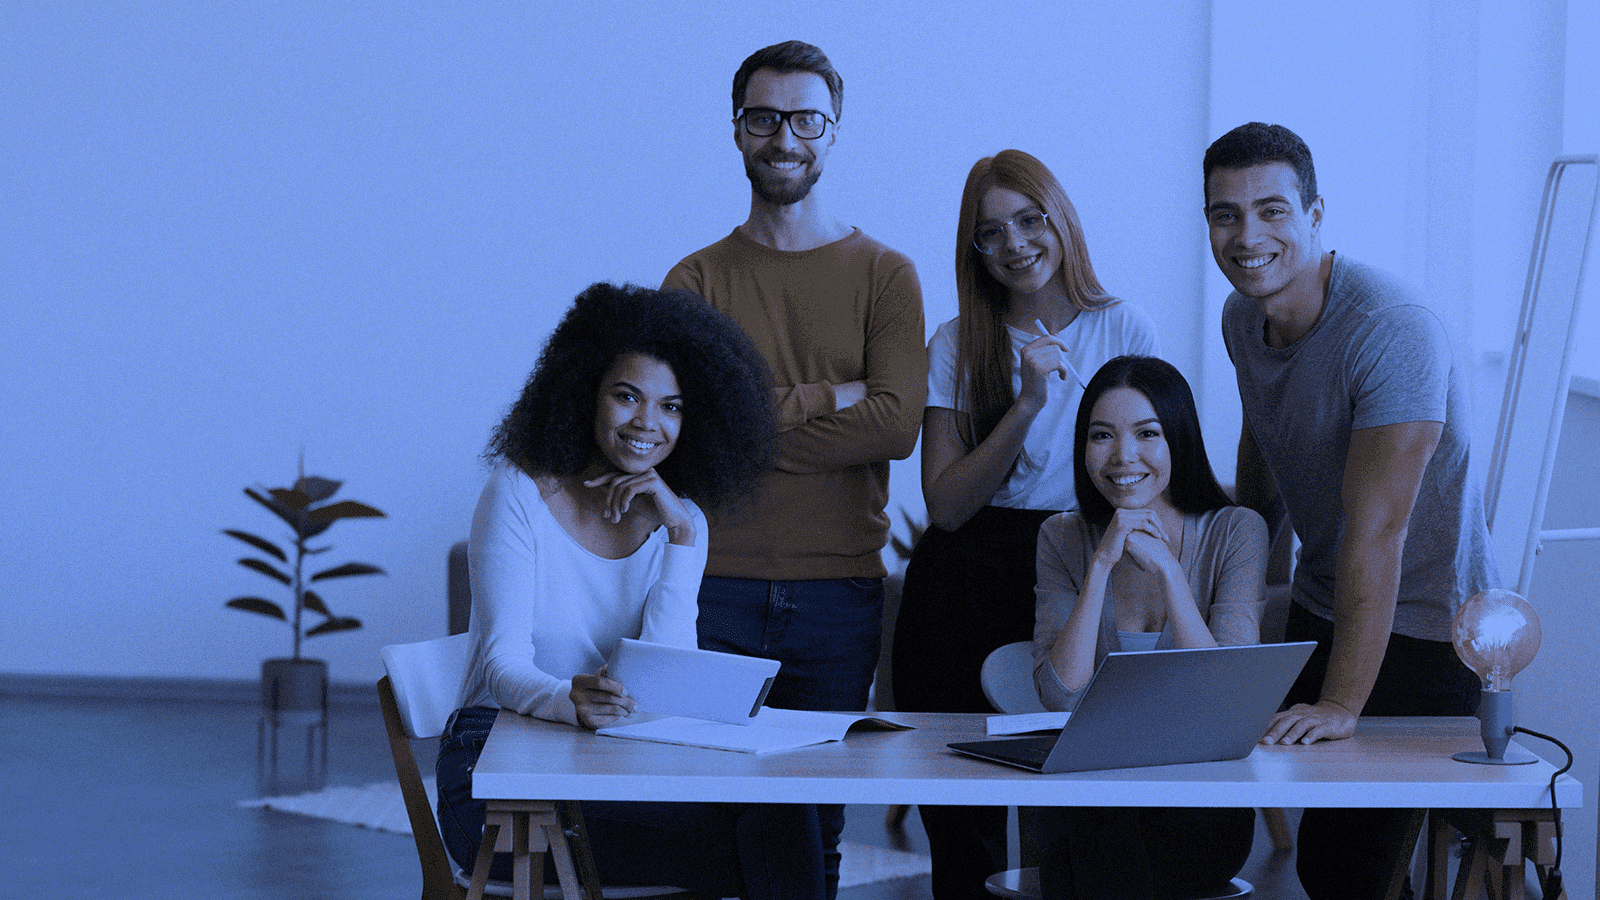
645,408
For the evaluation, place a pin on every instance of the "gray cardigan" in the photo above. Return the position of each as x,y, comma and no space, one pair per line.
1224,559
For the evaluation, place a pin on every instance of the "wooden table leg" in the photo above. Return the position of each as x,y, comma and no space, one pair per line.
521,858
536,826
480,868
1501,842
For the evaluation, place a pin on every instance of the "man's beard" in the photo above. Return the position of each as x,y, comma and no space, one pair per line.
779,192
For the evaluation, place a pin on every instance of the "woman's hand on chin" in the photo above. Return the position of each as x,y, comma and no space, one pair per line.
665,506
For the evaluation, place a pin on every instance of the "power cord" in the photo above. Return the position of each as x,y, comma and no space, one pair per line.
1551,883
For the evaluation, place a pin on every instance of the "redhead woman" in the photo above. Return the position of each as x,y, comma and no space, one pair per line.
1156,557
1004,380
644,408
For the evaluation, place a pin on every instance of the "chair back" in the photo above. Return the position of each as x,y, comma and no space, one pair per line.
427,678
418,695
1008,679
420,691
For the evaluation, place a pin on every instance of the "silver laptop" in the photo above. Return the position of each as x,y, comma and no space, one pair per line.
1162,707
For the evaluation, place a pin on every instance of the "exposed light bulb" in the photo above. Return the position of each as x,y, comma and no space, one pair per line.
1496,633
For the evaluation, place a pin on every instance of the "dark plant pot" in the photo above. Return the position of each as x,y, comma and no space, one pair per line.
292,736
294,684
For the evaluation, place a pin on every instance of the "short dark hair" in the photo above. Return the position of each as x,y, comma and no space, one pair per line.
1256,143
728,437
1193,489
789,56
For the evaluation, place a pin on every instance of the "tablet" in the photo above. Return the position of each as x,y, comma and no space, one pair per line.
700,684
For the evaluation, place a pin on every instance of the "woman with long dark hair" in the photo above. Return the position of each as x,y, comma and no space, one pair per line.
1156,557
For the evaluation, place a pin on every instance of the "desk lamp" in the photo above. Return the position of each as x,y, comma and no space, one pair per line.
1496,633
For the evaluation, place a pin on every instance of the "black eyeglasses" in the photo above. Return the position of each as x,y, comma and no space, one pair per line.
807,124
1028,224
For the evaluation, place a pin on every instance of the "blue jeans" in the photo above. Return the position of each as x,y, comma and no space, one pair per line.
826,635
760,852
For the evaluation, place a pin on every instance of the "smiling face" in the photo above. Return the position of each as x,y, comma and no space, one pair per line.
1126,452
783,168
1022,266
1265,243
638,413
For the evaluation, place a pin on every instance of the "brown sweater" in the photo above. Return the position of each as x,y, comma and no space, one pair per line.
847,311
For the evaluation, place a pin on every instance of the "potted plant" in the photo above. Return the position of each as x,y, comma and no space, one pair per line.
294,691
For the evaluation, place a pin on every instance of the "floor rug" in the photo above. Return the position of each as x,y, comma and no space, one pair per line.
380,806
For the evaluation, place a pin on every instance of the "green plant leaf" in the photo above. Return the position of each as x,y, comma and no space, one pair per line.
291,499
316,487
258,605
313,602
914,530
262,544
266,569
271,503
344,509
346,570
338,623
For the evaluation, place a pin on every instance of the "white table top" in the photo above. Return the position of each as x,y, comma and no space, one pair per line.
1388,763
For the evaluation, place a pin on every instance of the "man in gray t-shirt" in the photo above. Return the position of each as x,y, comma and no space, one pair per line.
1354,418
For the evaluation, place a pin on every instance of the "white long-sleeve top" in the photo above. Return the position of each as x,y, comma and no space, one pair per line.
545,609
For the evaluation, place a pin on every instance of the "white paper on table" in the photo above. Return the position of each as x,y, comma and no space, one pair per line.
1023,723
770,731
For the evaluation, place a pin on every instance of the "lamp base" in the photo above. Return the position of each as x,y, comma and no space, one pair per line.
1514,756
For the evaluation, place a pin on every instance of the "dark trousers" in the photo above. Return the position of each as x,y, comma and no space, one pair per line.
714,850
825,632
1105,853
1342,854
966,593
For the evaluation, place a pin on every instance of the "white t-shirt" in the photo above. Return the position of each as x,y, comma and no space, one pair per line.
545,609
1042,478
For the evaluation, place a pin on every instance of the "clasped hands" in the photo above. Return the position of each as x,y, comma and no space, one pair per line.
1138,534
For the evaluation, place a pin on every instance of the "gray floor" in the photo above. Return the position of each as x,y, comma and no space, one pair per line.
137,798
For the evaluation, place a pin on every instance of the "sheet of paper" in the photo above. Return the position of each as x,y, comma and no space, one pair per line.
772,730
1024,723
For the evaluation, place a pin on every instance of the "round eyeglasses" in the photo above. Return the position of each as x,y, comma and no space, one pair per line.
807,124
1027,225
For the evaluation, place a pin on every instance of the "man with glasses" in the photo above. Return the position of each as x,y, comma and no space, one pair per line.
795,574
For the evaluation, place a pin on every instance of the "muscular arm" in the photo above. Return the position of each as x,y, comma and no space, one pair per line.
1382,474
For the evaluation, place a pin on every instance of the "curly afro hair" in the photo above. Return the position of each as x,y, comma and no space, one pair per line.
728,438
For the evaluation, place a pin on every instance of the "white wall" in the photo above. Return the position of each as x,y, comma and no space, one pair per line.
237,232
